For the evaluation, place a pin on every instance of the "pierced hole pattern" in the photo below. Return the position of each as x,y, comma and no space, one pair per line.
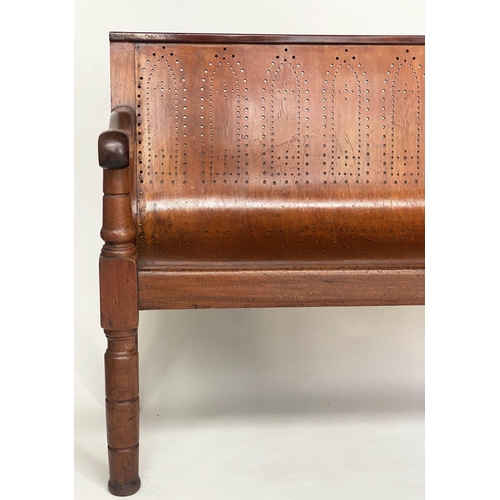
298,123
401,101
223,99
285,100
347,162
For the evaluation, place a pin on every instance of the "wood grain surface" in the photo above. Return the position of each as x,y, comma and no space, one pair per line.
300,154
254,171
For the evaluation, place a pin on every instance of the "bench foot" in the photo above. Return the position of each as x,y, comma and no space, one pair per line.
124,490
122,412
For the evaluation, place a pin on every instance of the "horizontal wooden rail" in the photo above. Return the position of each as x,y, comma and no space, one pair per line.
267,39
279,288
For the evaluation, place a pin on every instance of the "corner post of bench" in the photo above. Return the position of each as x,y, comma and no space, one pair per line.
119,303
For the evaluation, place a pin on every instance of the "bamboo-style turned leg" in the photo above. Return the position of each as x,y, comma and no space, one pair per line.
119,305
119,318
122,411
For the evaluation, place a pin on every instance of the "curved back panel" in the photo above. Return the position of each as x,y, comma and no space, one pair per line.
253,152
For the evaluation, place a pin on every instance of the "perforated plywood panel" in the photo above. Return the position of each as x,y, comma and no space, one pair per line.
251,152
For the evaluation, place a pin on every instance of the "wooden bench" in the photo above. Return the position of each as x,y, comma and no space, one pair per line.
254,171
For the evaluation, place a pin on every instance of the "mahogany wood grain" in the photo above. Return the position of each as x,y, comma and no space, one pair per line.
254,171
279,288
293,154
123,85
119,304
116,36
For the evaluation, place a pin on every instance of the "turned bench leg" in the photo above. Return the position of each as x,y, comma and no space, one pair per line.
119,319
119,303
122,411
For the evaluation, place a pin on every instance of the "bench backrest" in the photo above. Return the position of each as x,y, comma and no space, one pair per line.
232,124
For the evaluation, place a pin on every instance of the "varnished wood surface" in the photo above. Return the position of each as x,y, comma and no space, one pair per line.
119,302
122,79
294,154
116,36
170,289
114,144
254,171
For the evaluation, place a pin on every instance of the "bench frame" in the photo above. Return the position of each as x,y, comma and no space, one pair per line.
127,287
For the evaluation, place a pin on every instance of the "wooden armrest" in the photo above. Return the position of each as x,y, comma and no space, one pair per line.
114,144
116,148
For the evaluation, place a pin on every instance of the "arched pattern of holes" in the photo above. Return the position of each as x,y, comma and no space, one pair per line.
163,89
147,173
227,172
338,99
292,168
146,90
395,70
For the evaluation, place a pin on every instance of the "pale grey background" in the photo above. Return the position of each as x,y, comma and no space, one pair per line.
271,403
